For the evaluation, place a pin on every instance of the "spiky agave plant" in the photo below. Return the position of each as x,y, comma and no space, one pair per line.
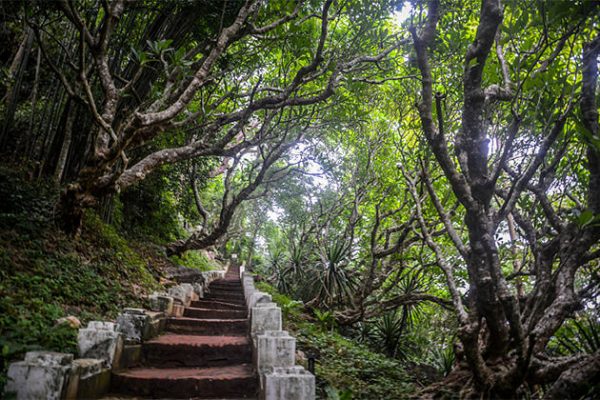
392,328
389,329
279,271
580,335
336,283
296,270
365,333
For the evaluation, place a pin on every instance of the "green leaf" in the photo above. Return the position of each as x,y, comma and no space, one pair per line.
585,218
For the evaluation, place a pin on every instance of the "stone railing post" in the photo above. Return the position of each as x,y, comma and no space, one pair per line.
100,340
293,383
42,375
274,349
265,317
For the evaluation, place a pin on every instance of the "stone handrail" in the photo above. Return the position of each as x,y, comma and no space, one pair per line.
274,349
102,346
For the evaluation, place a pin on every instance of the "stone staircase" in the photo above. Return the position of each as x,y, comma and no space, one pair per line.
204,354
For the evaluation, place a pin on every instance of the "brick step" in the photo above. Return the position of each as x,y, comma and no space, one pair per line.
212,327
221,285
225,289
213,313
236,302
224,294
218,294
215,304
237,381
227,281
118,396
231,281
175,351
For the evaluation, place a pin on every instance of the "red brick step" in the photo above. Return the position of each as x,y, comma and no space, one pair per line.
203,383
213,313
170,351
197,326
222,305
206,354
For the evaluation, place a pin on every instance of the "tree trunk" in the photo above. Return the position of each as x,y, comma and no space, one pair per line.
66,145
16,72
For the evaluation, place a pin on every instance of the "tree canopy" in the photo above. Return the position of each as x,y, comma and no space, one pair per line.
429,170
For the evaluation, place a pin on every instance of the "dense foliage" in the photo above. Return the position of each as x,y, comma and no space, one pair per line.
419,177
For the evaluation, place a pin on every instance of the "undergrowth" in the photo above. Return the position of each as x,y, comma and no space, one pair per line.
344,369
45,275
196,260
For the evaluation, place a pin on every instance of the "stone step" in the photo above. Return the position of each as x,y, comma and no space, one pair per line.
174,351
237,381
118,396
236,302
213,313
225,289
217,305
227,282
224,295
212,327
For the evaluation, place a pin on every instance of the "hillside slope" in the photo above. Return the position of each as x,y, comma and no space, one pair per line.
46,276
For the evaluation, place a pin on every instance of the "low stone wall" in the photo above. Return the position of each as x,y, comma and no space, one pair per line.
102,347
274,349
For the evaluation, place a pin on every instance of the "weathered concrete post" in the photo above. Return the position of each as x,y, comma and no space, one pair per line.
161,302
275,349
42,375
258,297
89,379
132,324
265,317
100,340
293,383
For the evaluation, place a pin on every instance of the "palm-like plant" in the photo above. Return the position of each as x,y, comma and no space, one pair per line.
393,328
336,283
581,335
365,333
297,262
279,271
443,357
390,328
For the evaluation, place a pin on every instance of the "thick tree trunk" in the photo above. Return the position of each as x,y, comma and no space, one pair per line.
70,210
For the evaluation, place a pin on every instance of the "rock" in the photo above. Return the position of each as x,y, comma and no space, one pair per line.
424,373
183,274
301,357
71,320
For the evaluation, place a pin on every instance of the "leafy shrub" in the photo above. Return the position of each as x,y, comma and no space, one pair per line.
196,260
